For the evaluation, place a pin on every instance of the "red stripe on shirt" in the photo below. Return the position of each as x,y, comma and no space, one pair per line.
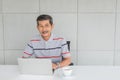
27,53
66,53
24,57
49,57
35,40
58,38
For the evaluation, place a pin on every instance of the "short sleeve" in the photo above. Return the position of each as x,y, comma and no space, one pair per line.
28,52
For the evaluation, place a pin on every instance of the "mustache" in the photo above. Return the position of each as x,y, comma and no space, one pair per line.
44,32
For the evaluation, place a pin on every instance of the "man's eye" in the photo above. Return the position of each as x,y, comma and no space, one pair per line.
40,26
46,25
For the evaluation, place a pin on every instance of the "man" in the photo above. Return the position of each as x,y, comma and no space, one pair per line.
48,45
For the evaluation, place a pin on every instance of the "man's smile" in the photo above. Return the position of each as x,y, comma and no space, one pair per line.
44,32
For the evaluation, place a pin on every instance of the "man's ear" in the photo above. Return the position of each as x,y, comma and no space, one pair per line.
52,26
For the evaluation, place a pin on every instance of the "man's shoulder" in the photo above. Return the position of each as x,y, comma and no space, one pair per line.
58,37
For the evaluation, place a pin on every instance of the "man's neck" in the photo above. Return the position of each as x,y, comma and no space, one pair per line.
46,38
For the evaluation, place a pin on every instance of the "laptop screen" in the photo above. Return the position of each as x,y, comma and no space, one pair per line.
35,66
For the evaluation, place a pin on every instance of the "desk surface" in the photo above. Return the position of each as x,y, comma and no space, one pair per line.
11,72
91,73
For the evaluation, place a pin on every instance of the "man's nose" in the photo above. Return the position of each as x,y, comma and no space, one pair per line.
44,28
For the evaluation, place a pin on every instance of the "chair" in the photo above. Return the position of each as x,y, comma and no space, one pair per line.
68,43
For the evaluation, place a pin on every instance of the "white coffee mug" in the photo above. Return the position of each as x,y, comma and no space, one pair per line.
67,71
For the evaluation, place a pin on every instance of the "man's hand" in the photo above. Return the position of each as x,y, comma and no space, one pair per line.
54,66
65,62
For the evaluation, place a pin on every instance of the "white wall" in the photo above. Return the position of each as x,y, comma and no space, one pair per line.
92,26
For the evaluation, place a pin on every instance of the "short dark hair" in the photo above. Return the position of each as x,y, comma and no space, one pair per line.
44,17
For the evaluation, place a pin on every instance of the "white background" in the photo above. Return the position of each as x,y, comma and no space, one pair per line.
92,26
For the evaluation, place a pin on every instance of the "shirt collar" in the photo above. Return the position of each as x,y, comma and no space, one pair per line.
50,39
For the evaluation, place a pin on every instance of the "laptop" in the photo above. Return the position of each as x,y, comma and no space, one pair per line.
34,66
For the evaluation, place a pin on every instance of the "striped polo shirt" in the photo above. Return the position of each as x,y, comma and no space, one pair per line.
55,48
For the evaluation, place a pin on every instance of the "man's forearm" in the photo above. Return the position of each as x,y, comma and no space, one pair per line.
65,62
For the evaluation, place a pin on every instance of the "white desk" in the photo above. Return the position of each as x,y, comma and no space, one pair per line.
91,73
10,72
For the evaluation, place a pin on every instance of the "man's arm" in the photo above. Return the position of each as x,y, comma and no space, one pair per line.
28,52
65,62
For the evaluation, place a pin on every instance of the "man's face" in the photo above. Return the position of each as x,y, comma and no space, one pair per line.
45,28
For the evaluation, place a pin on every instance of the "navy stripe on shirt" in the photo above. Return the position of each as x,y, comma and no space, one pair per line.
30,46
47,48
64,44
